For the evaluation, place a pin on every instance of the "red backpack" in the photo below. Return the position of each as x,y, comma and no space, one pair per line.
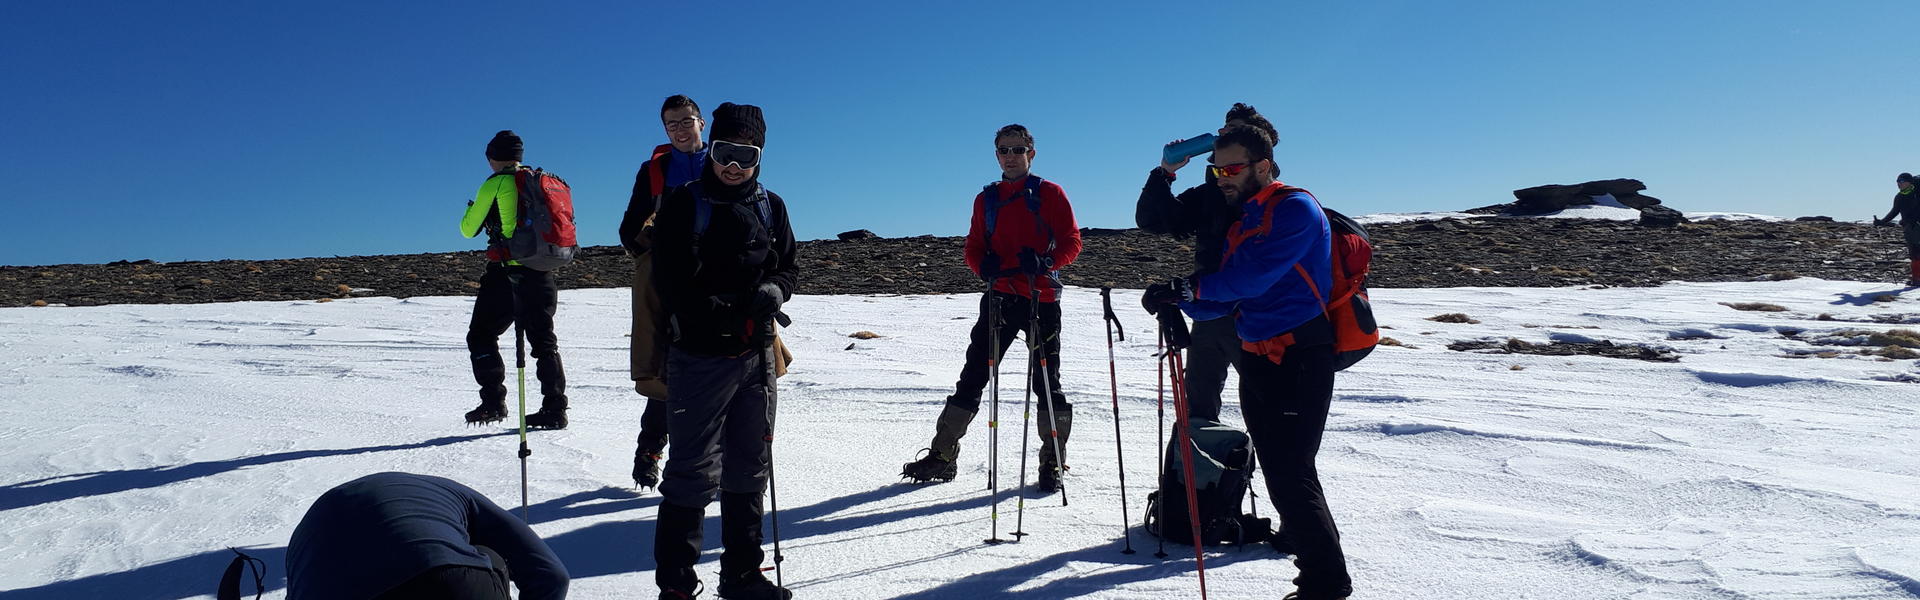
1355,332
543,240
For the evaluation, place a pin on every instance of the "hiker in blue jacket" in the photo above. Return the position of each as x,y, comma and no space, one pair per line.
405,536
1276,267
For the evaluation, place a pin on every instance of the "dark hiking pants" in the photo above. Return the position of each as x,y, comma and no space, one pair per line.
720,428
510,294
1286,406
1015,317
456,582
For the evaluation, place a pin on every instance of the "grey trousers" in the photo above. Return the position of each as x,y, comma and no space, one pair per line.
720,427
1215,346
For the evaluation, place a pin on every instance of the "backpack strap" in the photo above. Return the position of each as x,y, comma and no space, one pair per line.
703,211
657,171
990,198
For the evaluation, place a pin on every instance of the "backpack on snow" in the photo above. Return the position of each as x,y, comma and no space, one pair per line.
543,240
1223,466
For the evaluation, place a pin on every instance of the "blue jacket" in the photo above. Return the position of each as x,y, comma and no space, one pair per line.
1257,280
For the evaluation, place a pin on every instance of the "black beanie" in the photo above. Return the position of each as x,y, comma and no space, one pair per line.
505,146
739,122
1904,177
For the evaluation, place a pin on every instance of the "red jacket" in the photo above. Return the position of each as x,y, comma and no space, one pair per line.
1018,230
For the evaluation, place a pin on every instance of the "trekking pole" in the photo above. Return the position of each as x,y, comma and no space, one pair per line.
773,408
1113,379
1160,449
1186,465
1026,417
520,362
1039,348
993,413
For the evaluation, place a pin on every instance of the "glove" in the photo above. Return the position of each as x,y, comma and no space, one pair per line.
1879,222
1163,295
990,266
1174,327
1032,263
1159,297
765,300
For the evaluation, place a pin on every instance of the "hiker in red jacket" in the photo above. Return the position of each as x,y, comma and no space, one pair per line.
1023,233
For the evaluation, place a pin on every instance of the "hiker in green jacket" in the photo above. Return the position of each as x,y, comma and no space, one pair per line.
509,294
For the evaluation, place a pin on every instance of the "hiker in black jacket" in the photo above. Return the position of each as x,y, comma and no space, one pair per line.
1203,213
1906,206
723,260
401,535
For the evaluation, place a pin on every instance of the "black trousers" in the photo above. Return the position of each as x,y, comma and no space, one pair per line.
1286,408
508,295
721,427
456,582
1015,316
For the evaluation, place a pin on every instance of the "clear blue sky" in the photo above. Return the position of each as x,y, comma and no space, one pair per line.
205,130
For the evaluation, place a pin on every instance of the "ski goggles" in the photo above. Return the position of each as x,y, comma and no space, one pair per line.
1013,149
1232,170
739,156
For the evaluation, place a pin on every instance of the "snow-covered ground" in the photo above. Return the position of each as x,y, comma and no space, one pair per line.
140,441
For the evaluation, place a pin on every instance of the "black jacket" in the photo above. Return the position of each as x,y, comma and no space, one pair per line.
1907,208
1200,212
371,534
704,294
641,205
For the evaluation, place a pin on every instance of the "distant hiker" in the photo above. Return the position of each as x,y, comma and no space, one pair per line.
510,293
1023,231
1274,266
672,165
1906,205
1200,212
405,536
723,264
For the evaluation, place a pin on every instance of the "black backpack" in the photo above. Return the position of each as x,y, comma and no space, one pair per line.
1223,466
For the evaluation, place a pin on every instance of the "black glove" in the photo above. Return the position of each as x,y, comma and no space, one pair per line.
1174,327
1159,297
1879,222
1032,263
990,266
765,300
1164,295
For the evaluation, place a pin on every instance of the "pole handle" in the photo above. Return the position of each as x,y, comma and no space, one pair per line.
1106,305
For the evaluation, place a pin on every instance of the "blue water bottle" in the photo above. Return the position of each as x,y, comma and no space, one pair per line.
1188,148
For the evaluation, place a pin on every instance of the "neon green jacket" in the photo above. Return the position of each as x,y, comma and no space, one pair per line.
498,191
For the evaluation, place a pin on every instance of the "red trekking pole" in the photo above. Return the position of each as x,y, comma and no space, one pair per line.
1185,439
1113,379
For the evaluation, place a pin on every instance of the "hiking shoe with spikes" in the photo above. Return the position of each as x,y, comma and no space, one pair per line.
487,413
930,467
646,470
548,418
751,585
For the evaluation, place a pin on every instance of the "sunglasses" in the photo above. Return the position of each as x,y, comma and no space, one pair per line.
1232,170
739,156
1014,149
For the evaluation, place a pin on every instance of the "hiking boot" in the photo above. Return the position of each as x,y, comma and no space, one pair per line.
548,418
1297,595
930,467
947,431
751,585
682,595
646,469
1051,469
488,412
